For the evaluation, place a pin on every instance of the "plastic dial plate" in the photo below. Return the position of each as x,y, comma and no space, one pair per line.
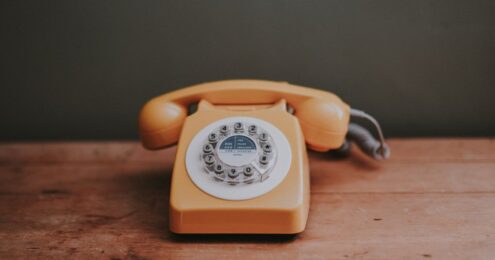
248,147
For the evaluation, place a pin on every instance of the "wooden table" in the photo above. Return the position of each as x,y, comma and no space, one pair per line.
434,199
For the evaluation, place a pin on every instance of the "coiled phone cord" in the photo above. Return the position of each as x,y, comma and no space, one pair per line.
364,139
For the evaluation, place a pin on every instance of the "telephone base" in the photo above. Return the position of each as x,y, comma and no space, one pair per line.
281,209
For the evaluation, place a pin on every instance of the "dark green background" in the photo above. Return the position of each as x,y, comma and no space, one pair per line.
82,69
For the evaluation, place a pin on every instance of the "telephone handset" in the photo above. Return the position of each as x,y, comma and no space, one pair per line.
241,164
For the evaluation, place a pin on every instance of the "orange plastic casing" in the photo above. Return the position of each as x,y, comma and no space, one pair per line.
320,120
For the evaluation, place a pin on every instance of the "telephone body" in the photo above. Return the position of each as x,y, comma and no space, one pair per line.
241,164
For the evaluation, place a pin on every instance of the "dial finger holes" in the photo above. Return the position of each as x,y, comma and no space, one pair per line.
267,148
253,129
263,137
238,126
248,171
218,169
233,173
224,129
207,148
209,159
213,138
264,159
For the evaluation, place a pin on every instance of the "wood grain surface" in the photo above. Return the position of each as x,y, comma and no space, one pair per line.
434,199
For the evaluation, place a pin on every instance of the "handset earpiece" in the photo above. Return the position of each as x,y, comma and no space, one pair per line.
324,122
160,123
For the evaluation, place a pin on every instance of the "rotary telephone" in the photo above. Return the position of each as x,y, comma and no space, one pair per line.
241,164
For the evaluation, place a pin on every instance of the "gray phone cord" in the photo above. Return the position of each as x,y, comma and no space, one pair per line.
365,140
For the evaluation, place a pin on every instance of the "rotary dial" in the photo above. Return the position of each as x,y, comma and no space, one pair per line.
238,153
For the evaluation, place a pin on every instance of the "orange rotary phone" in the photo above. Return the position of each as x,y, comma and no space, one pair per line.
241,163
